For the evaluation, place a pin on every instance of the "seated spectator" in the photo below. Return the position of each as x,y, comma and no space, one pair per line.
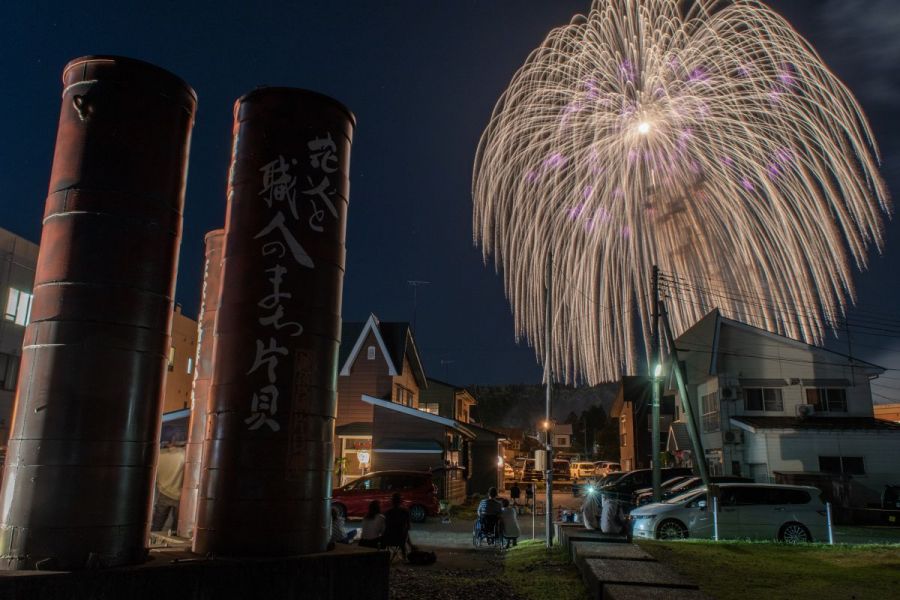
510,524
490,506
338,535
515,492
590,510
372,526
396,526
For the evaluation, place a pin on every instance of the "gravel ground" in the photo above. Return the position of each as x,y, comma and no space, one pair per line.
455,576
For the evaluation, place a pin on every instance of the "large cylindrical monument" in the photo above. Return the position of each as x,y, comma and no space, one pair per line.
209,306
266,475
78,478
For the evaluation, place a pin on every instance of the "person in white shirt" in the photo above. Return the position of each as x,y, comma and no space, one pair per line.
372,526
169,477
510,524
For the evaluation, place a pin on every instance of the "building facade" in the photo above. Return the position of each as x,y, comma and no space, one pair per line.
379,360
633,409
770,407
18,261
182,355
888,412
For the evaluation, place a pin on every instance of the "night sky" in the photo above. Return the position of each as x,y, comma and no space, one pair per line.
422,78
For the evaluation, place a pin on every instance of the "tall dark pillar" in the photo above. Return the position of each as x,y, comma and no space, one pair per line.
267,459
78,478
193,454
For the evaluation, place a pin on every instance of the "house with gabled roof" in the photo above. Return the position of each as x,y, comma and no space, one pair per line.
771,407
391,416
379,360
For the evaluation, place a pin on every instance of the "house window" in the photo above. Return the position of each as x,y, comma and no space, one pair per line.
710,412
624,438
370,353
404,396
827,399
171,358
431,407
9,371
190,365
842,465
561,441
18,307
763,399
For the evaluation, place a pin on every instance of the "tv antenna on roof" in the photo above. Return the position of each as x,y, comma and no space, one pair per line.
415,283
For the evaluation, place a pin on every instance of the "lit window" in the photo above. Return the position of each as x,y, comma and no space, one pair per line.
431,407
171,358
370,353
190,366
18,307
827,399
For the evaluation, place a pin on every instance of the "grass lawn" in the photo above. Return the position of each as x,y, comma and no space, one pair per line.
536,573
732,570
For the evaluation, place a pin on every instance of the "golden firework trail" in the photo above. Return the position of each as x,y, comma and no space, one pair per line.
705,137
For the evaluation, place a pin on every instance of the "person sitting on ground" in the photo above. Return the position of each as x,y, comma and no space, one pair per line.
396,526
590,510
338,535
490,506
372,526
510,524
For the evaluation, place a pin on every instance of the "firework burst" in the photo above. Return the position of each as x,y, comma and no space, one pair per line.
705,137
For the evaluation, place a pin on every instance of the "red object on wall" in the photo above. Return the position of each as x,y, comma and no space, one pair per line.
78,480
267,459
193,452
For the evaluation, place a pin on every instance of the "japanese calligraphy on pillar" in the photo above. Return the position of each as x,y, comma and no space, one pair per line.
298,209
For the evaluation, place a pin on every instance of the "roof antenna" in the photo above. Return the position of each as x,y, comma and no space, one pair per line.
415,286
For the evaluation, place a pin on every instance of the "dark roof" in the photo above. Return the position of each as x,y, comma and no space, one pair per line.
398,340
395,338
408,445
357,428
678,433
818,423
349,334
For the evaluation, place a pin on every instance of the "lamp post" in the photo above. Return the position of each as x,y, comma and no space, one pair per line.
657,473
548,481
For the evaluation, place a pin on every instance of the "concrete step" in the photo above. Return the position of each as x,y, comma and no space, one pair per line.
566,533
599,573
641,592
580,551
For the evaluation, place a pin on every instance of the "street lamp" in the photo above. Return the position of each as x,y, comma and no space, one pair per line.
657,473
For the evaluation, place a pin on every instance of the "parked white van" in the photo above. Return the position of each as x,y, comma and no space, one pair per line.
789,513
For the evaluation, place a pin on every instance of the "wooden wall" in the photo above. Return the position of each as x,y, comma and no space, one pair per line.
368,377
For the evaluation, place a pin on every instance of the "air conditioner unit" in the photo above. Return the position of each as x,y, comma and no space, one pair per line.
733,436
805,410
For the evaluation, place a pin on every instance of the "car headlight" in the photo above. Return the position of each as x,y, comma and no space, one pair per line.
643,517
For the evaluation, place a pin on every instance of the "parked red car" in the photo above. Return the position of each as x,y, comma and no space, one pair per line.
416,487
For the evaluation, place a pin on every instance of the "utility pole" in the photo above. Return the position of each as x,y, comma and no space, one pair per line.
696,442
548,376
415,286
655,372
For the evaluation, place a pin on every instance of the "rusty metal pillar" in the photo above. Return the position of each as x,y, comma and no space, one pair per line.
78,478
193,454
266,477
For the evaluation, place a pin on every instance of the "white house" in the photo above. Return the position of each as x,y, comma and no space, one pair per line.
769,406
561,435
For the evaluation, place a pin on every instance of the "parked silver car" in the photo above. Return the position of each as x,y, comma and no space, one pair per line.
790,513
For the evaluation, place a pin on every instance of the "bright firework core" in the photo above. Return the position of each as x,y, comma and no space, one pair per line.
705,137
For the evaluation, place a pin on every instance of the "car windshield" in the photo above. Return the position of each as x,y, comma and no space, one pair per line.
686,497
